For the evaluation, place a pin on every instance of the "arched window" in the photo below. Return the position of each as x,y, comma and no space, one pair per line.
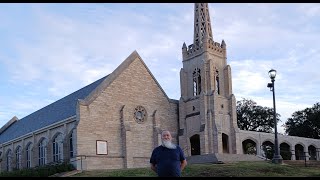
18,157
57,148
42,152
196,82
9,160
71,142
217,82
29,155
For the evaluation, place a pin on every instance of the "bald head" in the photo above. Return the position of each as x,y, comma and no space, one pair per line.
166,135
167,139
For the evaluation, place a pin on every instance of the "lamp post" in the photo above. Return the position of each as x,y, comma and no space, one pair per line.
277,159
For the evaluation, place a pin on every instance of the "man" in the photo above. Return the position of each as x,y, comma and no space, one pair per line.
167,159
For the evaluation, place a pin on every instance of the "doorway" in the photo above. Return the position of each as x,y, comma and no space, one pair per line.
195,144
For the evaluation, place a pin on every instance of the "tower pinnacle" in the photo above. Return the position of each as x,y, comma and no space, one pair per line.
202,24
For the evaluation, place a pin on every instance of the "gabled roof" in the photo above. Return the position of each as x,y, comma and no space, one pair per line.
55,112
124,65
12,120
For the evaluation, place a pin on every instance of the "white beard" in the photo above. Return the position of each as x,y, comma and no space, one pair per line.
168,144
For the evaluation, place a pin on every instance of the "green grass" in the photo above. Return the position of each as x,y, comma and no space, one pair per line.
239,169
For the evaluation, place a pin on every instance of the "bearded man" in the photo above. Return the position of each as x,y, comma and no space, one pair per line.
168,159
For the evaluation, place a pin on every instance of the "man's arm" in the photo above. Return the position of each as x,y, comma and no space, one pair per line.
153,167
183,164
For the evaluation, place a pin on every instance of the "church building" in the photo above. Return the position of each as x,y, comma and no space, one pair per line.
116,121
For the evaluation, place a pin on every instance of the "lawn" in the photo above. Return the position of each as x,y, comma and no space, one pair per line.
238,169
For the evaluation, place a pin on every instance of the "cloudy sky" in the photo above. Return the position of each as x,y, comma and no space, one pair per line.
48,51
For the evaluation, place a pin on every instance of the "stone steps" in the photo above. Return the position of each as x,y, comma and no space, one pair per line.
66,174
302,163
217,158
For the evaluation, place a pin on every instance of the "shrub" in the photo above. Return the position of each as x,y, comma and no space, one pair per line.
42,171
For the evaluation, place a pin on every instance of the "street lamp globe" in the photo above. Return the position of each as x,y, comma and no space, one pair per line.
272,73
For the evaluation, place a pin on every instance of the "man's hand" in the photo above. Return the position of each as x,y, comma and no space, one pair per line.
153,167
183,164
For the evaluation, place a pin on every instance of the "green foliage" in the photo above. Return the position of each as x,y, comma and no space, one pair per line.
286,155
40,171
268,150
250,149
305,123
252,117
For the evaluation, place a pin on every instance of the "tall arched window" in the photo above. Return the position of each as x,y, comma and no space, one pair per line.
196,82
18,157
28,153
57,148
71,142
9,160
217,82
42,152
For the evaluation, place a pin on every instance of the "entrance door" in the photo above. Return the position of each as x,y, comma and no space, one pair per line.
195,144
225,141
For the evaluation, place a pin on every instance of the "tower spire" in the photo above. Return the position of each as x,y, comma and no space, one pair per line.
202,24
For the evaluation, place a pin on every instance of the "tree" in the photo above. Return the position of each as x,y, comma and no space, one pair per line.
305,123
253,117
250,149
268,151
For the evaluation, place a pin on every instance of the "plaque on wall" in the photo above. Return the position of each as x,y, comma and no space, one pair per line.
102,147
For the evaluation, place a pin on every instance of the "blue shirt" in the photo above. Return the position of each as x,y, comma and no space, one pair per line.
167,160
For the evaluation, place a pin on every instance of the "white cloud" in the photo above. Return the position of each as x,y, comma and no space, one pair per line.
309,10
21,106
65,52
66,48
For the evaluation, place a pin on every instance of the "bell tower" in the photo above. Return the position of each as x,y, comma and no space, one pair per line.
207,107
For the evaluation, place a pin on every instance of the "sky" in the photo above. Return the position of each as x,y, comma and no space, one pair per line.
48,51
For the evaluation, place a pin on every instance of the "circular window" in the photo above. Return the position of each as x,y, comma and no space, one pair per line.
140,114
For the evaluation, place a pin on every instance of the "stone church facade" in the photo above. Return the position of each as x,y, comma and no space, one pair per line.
116,121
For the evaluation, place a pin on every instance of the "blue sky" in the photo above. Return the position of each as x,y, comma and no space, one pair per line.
48,51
